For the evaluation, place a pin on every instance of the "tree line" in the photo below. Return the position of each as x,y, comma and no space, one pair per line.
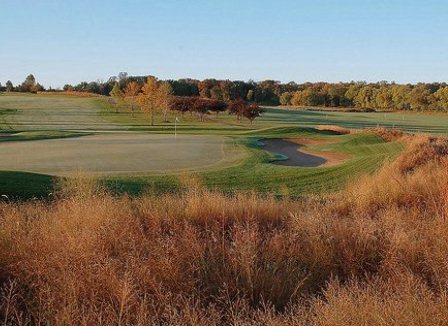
355,95
29,85
159,96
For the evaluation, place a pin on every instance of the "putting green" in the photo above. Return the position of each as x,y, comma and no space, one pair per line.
120,154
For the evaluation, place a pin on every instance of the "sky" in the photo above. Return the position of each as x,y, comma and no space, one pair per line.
69,41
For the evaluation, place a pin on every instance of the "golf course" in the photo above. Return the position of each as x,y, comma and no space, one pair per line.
285,151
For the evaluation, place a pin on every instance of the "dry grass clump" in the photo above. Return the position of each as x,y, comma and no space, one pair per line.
373,254
387,134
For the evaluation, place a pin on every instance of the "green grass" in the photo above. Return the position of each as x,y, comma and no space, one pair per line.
38,135
367,153
22,185
31,117
433,123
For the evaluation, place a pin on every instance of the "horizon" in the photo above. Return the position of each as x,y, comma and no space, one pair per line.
327,41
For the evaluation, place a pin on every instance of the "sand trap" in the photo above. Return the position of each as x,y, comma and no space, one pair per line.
304,158
119,154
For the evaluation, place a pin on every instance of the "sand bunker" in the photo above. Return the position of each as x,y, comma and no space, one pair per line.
295,156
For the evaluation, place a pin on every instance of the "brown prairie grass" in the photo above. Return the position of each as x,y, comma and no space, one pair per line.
374,254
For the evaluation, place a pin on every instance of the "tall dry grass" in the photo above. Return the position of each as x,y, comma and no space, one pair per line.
376,253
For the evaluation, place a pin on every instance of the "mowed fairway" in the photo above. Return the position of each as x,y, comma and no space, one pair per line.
431,123
119,154
52,112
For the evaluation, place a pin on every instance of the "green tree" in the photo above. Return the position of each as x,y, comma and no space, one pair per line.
250,95
29,84
9,86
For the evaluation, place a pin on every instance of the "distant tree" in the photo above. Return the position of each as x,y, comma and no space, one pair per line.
29,84
384,98
225,87
117,96
164,95
441,97
185,87
400,96
241,108
68,88
122,79
250,95
130,94
37,88
217,106
182,103
122,76
303,98
148,99
201,106
365,99
268,92
251,112
285,98
420,97
237,107
9,86
206,86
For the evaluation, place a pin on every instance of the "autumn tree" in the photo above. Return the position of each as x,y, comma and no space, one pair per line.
251,112
30,85
182,103
130,94
217,106
285,98
365,99
164,94
155,96
420,97
236,107
148,97
441,96
201,107
384,98
117,95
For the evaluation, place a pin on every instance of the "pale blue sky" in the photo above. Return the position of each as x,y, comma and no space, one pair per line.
65,41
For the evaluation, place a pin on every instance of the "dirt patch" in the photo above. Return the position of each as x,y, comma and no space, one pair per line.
296,155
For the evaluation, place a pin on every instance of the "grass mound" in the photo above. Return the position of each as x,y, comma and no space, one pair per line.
372,254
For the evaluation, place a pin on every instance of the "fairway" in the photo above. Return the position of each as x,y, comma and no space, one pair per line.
119,154
54,135
52,112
